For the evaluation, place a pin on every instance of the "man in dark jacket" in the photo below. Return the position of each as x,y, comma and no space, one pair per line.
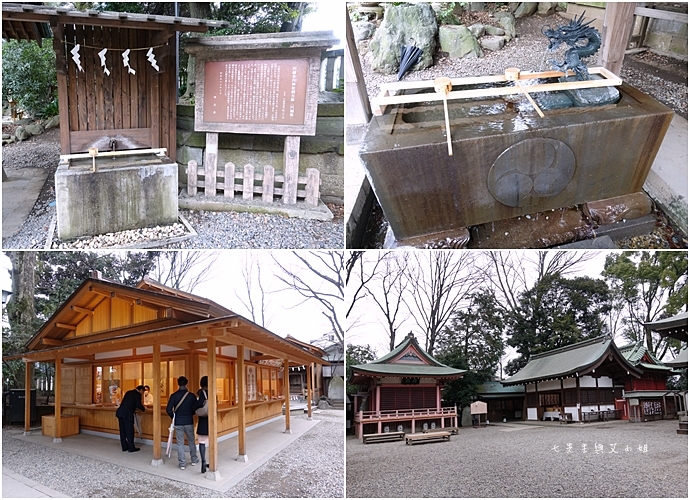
183,404
125,416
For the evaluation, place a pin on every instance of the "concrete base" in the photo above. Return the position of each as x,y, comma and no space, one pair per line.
220,204
287,431
242,458
157,462
128,192
57,440
26,433
212,475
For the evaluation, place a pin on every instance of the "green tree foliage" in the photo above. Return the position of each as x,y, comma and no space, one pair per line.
556,312
473,341
648,286
28,75
356,355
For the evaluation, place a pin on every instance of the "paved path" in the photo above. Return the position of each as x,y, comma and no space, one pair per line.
19,194
17,486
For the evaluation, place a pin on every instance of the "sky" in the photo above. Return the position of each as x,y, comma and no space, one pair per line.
328,16
366,321
287,314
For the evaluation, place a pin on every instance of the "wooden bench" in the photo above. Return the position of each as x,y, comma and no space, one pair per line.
383,437
427,437
452,430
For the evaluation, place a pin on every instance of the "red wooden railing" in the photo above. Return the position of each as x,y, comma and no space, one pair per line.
370,416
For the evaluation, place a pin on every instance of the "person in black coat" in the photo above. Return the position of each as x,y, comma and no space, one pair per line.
125,416
202,423
183,404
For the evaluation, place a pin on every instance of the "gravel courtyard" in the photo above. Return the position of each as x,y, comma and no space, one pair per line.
311,467
527,460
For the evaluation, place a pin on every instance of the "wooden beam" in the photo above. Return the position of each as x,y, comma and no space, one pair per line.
212,406
27,397
310,389
618,24
157,425
241,407
357,108
81,310
661,14
286,394
94,289
66,326
52,342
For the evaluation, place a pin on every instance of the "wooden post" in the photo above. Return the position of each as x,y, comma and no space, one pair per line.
229,181
268,184
212,370
579,398
286,394
211,163
242,418
192,172
312,187
58,402
248,183
63,96
358,109
618,22
290,169
27,397
156,390
309,390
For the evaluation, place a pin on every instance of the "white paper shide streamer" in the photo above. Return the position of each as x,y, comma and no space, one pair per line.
125,61
76,57
152,59
101,54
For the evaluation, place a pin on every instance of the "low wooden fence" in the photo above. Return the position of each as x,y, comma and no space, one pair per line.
248,182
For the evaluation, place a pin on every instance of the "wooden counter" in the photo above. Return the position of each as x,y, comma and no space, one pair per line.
69,425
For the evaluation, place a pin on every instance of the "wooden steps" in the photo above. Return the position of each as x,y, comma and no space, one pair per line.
383,437
427,437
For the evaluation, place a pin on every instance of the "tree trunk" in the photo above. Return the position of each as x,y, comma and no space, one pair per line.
296,23
198,10
20,307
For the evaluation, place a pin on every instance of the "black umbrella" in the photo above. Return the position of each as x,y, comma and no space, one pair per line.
409,55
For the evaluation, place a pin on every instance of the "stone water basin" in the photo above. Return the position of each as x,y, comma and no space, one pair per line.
507,161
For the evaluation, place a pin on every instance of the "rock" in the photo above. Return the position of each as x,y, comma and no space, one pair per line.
477,30
363,30
494,31
525,9
405,24
546,8
552,100
23,121
597,96
492,43
507,22
6,136
35,129
458,42
21,134
53,122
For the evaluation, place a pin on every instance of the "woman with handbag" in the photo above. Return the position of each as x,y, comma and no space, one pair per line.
202,422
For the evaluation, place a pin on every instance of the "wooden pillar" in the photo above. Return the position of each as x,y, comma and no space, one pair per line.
211,163
536,392
357,108
156,460
290,169
579,398
309,389
58,401
286,394
27,397
212,371
241,407
378,399
63,96
618,23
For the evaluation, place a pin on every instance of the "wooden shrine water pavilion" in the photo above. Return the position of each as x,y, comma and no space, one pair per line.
108,338
402,389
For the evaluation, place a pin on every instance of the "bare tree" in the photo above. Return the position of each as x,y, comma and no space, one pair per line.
441,281
255,301
319,276
184,270
389,289
355,266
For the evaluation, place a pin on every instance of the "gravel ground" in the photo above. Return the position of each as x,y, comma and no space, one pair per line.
307,468
215,229
494,463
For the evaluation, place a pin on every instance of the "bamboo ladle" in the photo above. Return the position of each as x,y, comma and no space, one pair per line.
442,84
513,75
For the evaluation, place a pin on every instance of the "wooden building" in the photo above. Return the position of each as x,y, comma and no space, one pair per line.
107,338
332,366
583,380
402,389
503,402
119,108
648,397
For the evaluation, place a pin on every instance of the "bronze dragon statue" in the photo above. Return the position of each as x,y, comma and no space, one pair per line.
573,35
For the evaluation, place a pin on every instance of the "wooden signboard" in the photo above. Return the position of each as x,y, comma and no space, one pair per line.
478,408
